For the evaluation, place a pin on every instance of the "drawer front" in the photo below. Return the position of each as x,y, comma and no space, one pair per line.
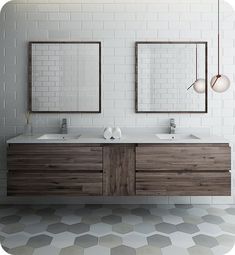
183,158
40,184
54,157
183,184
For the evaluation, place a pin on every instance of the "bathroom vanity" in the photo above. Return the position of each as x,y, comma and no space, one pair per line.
92,166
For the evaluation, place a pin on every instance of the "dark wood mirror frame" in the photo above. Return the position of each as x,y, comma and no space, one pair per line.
30,74
171,42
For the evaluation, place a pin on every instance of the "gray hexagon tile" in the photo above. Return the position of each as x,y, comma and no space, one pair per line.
159,241
13,228
230,211
72,250
39,241
213,219
172,219
226,240
123,228
151,219
181,239
117,229
197,249
134,240
205,241
187,228
140,212
216,211
57,228
174,250
121,211
111,219
101,229
210,229
166,228
30,219
110,241
200,212
15,241
91,219
132,219
122,249
97,250
79,228
63,240
86,241
21,250
50,250
148,250
144,228
71,219
10,219
228,227
36,228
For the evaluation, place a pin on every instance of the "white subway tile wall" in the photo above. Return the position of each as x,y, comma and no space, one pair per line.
117,24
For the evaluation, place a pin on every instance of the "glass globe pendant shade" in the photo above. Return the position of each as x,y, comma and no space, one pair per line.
200,86
220,83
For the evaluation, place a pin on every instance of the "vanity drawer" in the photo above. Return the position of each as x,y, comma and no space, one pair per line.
183,158
32,157
183,184
46,184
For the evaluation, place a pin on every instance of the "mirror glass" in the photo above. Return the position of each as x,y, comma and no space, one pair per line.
64,77
164,73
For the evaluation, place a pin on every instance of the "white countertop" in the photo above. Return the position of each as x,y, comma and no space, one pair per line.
143,138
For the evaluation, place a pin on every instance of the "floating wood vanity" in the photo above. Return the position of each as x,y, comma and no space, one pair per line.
76,169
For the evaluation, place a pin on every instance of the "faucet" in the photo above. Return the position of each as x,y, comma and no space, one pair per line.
64,127
172,126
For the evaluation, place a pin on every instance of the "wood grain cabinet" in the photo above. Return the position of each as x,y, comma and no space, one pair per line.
183,170
119,170
54,169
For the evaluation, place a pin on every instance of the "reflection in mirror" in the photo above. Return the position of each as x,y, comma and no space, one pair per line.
164,73
64,77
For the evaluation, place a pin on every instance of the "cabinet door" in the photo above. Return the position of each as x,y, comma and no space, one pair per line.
119,170
183,170
54,169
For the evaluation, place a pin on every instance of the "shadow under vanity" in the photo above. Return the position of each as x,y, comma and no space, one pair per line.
135,165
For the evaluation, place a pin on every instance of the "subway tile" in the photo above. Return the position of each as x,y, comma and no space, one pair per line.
59,16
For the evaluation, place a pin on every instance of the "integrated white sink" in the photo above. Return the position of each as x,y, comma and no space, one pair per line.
58,137
176,136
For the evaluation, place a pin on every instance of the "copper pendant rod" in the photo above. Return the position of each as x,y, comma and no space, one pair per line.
218,37
196,70
196,64
218,75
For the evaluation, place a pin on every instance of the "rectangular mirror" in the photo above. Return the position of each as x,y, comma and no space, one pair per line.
65,77
165,74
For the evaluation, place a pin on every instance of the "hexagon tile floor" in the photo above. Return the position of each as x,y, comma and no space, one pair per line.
117,229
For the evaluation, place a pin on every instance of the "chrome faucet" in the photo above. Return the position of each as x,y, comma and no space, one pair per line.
172,126
64,127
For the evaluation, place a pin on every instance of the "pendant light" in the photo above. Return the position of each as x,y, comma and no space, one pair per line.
219,83
200,84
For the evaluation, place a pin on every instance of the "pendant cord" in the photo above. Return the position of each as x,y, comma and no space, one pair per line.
196,64
218,37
